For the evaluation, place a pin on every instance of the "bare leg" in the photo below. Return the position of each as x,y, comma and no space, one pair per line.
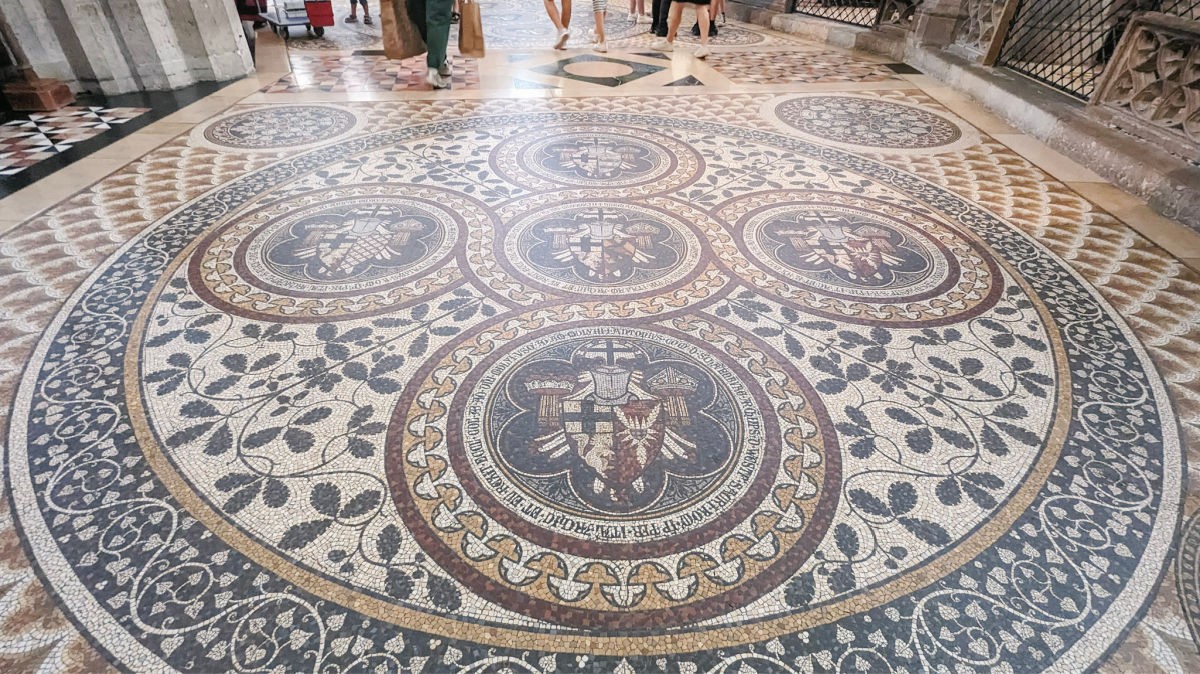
566,14
599,16
673,20
702,18
555,17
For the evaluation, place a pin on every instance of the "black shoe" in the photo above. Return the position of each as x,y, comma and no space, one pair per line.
696,29
712,29
455,17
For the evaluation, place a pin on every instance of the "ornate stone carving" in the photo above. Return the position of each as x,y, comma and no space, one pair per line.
1151,87
977,32
898,13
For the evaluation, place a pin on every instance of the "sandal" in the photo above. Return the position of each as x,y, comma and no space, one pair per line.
352,19
367,20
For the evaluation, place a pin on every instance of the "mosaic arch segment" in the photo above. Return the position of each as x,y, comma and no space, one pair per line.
490,467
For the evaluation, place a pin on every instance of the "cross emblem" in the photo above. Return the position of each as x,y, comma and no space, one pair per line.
610,351
587,417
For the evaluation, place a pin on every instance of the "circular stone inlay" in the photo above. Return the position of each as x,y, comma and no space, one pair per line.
608,452
601,248
861,259
598,69
596,156
614,431
868,122
341,250
280,127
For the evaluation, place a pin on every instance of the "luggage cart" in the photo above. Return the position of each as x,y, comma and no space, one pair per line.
314,15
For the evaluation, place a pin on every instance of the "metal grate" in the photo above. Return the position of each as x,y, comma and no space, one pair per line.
857,12
1066,44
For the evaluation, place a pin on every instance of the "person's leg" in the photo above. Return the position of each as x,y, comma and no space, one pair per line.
702,19
366,12
664,12
599,8
353,12
437,18
552,12
673,22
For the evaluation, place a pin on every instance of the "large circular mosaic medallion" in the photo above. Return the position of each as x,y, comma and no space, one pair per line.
865,122
597,156
395,404
601,248
334,253
280,127
616,457
857,258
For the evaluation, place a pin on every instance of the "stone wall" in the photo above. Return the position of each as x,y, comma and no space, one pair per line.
119,46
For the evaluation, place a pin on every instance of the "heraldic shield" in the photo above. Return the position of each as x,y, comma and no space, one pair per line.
618,442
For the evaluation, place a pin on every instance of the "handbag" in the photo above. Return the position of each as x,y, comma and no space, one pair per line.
403,27
470,30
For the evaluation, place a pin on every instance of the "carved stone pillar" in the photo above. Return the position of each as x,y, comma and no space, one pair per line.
31,93
118,46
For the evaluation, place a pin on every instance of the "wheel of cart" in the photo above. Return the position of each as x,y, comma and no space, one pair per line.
320,15
314,15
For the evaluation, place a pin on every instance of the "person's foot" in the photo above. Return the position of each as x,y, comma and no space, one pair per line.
702,52
563,36
446,70
455,17
367,20
663,45
353,18
433,79
635,18
601,46
712,29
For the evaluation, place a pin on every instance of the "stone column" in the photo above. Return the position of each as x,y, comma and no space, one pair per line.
31,92
33,33
119,46
935,23
212,38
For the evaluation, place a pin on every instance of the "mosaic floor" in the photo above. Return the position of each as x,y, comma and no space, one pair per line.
798,366
37,136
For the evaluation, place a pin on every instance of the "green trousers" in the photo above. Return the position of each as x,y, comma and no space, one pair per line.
437,28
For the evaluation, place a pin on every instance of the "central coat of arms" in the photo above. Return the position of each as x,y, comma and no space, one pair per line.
616,417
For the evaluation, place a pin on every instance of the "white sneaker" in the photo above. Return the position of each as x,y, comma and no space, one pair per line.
702,52
635,18
563,36
661,44
433,79
601,47
446,69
